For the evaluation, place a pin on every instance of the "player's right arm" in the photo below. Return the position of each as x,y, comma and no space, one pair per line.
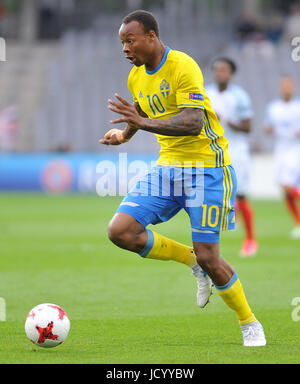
117,136
130,131
188,122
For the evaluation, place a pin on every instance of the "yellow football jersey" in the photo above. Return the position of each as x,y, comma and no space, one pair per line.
175,84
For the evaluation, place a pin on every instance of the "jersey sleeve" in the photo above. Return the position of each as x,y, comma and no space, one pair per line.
189,82
244,109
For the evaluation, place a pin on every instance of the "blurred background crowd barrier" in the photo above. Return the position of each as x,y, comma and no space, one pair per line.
105,174
64,59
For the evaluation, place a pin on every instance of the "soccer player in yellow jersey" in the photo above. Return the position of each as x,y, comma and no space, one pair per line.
193,172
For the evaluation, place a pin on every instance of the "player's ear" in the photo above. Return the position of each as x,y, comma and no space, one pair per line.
152,35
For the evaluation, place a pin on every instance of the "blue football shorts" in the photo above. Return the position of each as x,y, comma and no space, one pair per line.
206,194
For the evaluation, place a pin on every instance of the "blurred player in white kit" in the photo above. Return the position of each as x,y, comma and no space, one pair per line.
282,119
233,107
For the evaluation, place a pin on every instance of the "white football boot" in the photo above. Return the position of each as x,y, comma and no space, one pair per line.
253,335
204,286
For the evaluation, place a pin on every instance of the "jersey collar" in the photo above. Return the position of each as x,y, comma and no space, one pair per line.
163,60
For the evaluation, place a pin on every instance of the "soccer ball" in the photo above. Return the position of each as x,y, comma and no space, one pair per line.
47,325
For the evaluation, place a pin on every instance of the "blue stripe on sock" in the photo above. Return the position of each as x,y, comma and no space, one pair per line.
229,284
149,245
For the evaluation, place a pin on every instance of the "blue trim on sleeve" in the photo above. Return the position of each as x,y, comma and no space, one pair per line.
229,284
149,245
163,60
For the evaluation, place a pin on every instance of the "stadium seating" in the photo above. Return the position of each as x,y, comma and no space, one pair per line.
61,87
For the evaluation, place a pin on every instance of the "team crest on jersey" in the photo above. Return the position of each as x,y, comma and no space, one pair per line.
165,89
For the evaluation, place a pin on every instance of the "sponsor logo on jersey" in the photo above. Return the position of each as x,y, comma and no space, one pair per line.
196,96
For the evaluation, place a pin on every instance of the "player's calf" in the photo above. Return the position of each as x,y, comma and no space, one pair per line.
209,259
127,233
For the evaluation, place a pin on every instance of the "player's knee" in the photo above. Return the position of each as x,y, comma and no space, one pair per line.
123,236
126,232
116,234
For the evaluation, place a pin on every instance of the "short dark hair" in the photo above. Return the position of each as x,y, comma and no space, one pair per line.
145,18
230,62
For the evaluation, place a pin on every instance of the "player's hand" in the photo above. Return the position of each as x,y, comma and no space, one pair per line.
268,130
113,137
128,111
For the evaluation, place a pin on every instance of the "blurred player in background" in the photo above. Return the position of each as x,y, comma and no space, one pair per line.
283,121
234,110
170,101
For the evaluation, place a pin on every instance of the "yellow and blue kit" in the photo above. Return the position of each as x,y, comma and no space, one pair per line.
193,172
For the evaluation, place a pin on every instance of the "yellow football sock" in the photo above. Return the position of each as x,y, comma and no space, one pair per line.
161,248
233,295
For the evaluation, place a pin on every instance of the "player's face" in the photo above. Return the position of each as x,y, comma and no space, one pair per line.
222,72
137,44
287,87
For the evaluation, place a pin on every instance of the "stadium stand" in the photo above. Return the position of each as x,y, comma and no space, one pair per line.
91,67
61,85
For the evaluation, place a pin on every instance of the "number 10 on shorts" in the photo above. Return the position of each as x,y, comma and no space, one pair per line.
210,216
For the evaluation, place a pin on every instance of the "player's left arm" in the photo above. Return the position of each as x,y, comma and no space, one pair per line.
244,113
268,121
242,126
188,122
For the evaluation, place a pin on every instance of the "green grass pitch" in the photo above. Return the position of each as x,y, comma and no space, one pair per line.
124,309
